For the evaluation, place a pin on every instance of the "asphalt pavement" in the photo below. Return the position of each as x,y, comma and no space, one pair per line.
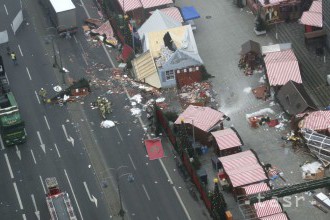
49,150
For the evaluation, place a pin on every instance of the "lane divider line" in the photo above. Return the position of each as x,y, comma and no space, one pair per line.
9,167
145,190
46,122
181,202
74,195
18,196
35,92
132,161
58,152
28,72
43,185
20,50
34,159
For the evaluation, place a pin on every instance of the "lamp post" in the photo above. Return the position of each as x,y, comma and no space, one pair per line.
130,178
60,67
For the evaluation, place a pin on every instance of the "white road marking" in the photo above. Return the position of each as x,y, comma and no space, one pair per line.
18,196
9,167
18,152
74,195
24,217
69,138
43,185
46,122
181,202
75,39
6,9
91,197
121,138
166,172
34,159
28,72
36,212
58,152
132,161
42,145
85,9
1,143
35,92
19,47
158,218
145,190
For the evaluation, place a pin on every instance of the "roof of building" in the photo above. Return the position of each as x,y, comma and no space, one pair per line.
294,98
226,138
256,188
267,208
182,37
172,12
250,46
282,66
204,118
154,3
243,168
129,5
159,20
275,48
278,216
312,19
317,120
145,69
189,13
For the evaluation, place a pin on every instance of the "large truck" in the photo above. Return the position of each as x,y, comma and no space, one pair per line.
62,14
12,127
58,202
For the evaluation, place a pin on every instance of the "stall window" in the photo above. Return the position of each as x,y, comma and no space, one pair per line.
169,75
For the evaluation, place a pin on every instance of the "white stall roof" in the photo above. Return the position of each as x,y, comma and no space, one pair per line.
62,5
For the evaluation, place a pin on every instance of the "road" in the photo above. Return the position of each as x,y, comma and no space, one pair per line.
47,151
155,193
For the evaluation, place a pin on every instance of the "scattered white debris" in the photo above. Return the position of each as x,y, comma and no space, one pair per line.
161,99
264,111
65,70
272,103
133,103
107,124
280,125
135,111
137,98
262,80
66,97
247,90
57,88
89,166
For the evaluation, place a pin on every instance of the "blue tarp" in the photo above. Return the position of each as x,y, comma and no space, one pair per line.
189,13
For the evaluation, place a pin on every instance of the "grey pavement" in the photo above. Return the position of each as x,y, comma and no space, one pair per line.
221,31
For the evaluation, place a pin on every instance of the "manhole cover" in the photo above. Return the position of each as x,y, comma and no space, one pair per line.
208,17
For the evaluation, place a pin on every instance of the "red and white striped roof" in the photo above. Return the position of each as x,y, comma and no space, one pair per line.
256,188
279,216
317,120
235,161
243,168
267,208
271,2
129,5
246,175
282,66
226,138
154,3
173,12
316,7
203,118
312,19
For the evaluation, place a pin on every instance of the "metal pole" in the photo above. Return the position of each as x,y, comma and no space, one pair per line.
55,65
121,211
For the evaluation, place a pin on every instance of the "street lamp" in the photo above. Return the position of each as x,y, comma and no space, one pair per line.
48,38
61,70
130,178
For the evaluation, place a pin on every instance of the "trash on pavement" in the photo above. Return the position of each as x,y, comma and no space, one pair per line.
107,124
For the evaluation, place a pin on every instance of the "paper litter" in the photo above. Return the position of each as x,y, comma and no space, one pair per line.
107,124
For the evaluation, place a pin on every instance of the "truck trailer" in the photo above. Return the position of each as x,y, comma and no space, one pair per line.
62,14
12,127
58,202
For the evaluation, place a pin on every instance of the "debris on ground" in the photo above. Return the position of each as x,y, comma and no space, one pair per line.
196,94
107,124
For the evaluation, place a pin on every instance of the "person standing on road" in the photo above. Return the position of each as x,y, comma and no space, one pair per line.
13,57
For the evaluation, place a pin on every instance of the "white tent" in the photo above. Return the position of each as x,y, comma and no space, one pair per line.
156,22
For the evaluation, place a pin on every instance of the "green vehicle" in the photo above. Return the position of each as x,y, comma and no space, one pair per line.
12,128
